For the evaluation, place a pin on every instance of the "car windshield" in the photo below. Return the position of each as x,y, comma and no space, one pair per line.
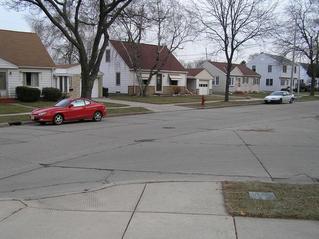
62,103
277,93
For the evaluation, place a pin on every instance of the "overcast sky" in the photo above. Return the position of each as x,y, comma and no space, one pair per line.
12,20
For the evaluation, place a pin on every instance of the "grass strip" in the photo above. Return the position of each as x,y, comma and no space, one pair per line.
292,201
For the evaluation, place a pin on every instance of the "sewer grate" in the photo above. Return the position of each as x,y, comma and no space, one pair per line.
169,127
266,196
144,140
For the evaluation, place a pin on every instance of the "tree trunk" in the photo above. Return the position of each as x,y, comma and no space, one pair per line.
228,70
313,78
86,84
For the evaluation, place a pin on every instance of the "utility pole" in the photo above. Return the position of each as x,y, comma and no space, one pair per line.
293,59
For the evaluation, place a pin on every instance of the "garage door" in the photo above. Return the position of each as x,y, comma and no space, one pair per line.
95,90
203,88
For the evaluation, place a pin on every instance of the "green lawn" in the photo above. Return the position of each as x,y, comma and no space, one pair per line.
8,108
38,104
113,105
292,201
260,95
308,98
130,110
166,99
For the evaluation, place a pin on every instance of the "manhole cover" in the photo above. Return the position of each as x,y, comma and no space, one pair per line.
169,127
262,196
144,140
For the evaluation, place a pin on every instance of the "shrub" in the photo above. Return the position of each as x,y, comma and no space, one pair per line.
27,94
176,90
51,94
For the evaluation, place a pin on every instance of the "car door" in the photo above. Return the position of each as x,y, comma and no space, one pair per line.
89,109
286,97
76,110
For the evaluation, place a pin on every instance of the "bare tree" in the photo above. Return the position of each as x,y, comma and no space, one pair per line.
73,18
303,20
233,24
162,21
61,50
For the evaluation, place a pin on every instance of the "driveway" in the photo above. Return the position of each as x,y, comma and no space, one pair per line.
262,142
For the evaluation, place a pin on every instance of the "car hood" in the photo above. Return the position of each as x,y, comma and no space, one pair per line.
273,97
48,109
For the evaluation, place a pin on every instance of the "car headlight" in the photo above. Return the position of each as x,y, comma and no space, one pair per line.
43,113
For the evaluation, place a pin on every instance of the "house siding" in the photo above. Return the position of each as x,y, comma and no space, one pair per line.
109,70
262,61
215,72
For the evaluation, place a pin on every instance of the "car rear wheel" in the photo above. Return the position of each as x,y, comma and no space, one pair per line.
58,119
97,116
291,101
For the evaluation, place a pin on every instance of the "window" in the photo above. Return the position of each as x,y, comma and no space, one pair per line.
31,79
295,69
217,80
118,78
63,84
256,81
3,81
269,68
282,82
174,82
269,82
253,68
245,80
232,81
78,103
107,55
284,69
87,102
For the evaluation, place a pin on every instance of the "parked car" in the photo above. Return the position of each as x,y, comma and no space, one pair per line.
70,110
280,97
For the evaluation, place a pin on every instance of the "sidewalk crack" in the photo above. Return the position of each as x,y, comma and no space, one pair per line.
135,208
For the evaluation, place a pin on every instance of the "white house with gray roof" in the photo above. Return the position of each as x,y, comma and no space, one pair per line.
275,71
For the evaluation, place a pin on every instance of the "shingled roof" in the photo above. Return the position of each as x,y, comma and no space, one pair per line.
24,49
194,71
242,67
148,56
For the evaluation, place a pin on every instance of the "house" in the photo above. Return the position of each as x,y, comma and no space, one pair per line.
24,61
275,71
67,78
199,81
119,75
243,79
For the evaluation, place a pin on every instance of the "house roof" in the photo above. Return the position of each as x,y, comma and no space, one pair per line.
24,49
280,59
242,67
66,66
194,71
148,56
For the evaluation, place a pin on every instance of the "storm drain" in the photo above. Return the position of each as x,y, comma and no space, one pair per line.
144,140
169,127
266,196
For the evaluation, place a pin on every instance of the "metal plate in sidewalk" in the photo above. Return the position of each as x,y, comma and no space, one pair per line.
262,195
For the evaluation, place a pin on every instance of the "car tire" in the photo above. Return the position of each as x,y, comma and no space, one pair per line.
58,119
97,116
291,100
280,101
266,102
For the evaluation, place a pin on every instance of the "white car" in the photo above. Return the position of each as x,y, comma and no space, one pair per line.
280,97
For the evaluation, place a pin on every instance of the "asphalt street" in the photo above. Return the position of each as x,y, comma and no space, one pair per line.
262,142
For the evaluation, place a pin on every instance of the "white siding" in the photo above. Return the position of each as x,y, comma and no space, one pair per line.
215,72
6,65
16,79
109,70
261,61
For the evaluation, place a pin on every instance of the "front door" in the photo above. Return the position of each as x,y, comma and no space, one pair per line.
3,83
159,82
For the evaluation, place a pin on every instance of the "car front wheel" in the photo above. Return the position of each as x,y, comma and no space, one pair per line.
97,116
58,119
280,101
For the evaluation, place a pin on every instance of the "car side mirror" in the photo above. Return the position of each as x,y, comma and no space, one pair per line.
70,106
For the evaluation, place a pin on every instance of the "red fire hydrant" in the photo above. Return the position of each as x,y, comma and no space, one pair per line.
203,101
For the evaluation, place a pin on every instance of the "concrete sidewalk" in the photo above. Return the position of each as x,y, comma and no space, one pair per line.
142,211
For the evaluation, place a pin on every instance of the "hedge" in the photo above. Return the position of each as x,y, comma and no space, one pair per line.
51,94
27,94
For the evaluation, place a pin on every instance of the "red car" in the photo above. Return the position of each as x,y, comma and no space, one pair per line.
70,110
